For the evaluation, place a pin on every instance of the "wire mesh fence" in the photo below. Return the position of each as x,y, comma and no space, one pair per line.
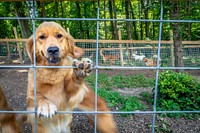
109,54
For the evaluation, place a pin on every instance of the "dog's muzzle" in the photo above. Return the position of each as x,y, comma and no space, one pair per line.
53,53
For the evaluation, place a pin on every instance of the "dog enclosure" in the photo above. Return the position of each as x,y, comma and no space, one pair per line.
114,53
121,50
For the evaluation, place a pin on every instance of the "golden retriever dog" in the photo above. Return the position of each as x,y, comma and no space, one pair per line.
61,89
8,121
151,62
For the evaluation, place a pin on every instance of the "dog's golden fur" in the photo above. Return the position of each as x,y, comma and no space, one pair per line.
60,89
151,62
8,121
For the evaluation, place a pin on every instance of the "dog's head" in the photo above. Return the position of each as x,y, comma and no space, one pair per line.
53,44
145,60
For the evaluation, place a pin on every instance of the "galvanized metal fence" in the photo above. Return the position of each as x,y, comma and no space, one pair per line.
97,20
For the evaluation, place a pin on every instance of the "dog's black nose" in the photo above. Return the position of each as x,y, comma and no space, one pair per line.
52,51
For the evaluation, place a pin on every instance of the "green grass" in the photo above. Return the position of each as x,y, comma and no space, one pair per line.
146,96
121,81
132,81
123,103
115,99
103,81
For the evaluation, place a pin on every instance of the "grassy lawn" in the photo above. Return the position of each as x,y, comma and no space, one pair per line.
106,84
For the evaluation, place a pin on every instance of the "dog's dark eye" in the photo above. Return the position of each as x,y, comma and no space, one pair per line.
59,35
42,37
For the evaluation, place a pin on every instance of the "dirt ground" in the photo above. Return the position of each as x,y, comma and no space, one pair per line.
14,83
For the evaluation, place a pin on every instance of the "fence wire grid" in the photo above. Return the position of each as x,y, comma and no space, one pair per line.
99,64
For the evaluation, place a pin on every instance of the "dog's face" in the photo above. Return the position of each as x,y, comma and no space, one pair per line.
53,44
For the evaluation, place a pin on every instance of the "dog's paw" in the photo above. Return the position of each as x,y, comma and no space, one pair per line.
46,109
83,67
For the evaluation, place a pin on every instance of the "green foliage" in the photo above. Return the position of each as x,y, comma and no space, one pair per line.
88,9
124,103
121,81
131,81
178,91
146,96
103,81
115,99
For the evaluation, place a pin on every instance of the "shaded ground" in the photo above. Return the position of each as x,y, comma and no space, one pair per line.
14,83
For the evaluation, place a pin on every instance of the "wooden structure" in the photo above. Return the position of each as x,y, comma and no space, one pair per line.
18,47
122,45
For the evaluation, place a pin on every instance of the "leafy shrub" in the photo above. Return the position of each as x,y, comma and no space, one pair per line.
178,91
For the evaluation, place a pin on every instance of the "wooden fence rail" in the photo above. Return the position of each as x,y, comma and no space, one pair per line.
123,45
113,41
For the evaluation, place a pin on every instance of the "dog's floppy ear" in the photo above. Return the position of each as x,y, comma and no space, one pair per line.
74,51
29,48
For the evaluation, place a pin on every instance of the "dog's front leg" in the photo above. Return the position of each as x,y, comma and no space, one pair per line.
45,108
75,85
105,122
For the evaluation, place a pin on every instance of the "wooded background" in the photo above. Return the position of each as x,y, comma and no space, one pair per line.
117,9
137,20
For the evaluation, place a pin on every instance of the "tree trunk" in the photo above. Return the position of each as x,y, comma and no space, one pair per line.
19,12
128,28
146,12
141,25
134,23
154,35
176,27
42,12
63,23
86,22
145,9
115,22
56,9
79,16
24,27
111,16
105,25
128,24
153,27
189,24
